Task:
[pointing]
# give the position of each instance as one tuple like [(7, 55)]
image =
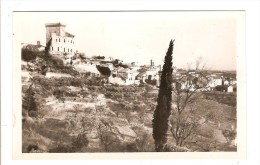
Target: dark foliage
[(56, 64), (222, 88), (107, 139), (104, 70), (117, 63), (33, 100), (62, 149), (121, 65), (28, 55), (55, 60), (99, 57), (229, 135), (132, 147), (58, 93), (29, 103), (48, 45), (80, 141), (163, 108), (44, 70), (150, 81), (32, 147)]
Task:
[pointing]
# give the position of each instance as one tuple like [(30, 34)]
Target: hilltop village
[(72, 102), (61, 45)]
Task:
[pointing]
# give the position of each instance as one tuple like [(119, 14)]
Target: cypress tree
[(163, 108)]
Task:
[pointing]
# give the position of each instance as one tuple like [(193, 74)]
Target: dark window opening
[(59, 39), (64, 49), (58, 49), (64, 40)]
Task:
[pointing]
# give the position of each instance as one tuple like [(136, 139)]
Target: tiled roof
[(69, 35), (141, 74), (54, 24)]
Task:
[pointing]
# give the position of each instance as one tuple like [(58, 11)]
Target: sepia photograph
[(128, 81)]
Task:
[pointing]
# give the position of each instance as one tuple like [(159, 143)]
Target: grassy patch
[(222, 97)]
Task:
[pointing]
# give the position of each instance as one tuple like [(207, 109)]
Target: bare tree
[(185, 92), (107, 137)]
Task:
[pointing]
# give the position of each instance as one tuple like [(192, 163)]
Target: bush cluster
[(29, 55)]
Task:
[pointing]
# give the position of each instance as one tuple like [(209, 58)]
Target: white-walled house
[(128, 75), (230, 89), (215, 82), (226, 82), (151, 74), (131, 74), (84, 68), (60, 41)]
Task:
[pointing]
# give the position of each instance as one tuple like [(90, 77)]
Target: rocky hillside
[(65, 111)]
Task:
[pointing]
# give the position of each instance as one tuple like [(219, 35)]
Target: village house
[(88, 68), (152, 73), (177, 73), (59, 41), (215, 80), (131, 77), (232, 88), (128, 75)]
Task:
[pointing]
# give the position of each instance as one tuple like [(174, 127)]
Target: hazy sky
[(142, 36)]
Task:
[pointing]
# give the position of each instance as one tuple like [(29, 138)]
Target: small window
[(58, 49), (64, 41), (59, 39), (70, 50), (52, 48), (71, 41), (56, 40), (64, 49)]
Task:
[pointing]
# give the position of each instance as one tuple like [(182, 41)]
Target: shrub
[(104, 70), (32, 147), (29, 103), (76, 83), (154, 82), (144, 141), (55, 60), (62, 148), (28, 55), (80, 141), (222, 88), (99, 57), (107, 139), (148, 88), (229, 135), (132, 147)]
